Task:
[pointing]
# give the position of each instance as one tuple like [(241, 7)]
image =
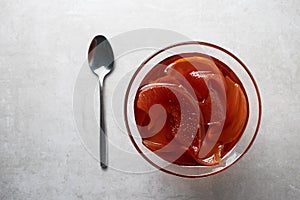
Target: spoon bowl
[(100, 56)]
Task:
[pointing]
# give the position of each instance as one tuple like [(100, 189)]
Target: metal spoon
[(101, 61)]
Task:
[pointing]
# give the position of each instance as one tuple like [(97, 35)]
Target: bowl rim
[(201, 44)]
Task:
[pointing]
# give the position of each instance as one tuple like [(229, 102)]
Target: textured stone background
[(43, 45)]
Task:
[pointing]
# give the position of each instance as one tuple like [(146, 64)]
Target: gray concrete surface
[(43, 45)]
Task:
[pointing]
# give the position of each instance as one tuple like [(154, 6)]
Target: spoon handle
[(103, 136)]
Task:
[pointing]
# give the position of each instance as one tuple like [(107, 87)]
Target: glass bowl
[(252, 95)]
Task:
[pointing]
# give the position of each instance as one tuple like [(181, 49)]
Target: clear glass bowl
[(252, 93)]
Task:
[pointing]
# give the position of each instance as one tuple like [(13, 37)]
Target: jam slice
[(236, 116), (201, 76), (168, 121)]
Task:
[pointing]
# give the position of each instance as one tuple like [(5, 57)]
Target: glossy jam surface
[(191, 109)]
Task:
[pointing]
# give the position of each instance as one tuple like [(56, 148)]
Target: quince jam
[(191, 109)]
